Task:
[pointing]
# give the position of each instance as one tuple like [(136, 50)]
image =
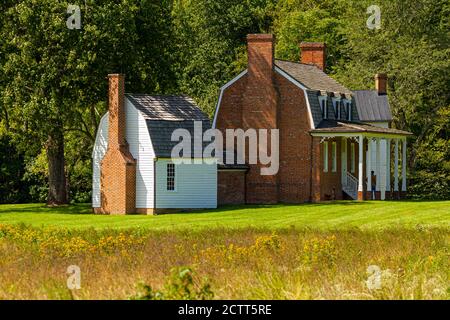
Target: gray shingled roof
[(161, 134), (326, 126), (371, 106), (311, 77), (169, 108), (165, 114)]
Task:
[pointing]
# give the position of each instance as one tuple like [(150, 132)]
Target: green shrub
[(179, 286)]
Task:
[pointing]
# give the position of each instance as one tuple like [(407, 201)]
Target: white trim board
[(222, 89)]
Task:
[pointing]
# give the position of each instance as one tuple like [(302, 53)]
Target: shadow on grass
[(251, 207), (42, 209), (85, 208)]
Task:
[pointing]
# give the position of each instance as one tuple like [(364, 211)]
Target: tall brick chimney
[(116, 109), (260, 48), (381, 83), (314, 53), (259, 111), (118, 167)]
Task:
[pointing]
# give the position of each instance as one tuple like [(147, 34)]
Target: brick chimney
[(116, 109), (118, 167), (260, 48), (381, 83), (313, 53), (259, 111)]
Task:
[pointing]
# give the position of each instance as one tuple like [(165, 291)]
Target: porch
[(348, 154)]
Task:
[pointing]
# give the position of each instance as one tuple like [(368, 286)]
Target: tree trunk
[(57, 185)]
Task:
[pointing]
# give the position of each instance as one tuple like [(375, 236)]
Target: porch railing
[(350, 186)]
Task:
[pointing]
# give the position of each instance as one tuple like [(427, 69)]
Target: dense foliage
[(53, 87)]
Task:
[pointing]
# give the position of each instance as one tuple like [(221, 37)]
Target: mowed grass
[(369, 215)]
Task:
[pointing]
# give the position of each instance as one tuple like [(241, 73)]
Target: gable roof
[(164, 114), (372, 106), (311, 77), (166, 107)]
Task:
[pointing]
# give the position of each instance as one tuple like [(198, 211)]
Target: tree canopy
[(53, 86)]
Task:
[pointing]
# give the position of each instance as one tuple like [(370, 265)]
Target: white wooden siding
[(141, 148), (100, 146), (195, 186)]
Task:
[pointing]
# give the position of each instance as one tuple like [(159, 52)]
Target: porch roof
[(351, 128)]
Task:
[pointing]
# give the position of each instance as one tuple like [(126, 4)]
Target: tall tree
[(54, 77)]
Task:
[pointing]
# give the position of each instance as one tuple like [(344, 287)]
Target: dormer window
[(348, 109), (323, 106), (337, 108)]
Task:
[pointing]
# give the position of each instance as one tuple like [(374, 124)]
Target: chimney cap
[(381, 76), (318, 45), (260, 37), (115, 75)]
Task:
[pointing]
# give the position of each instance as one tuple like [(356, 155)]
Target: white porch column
[(404, 165), (388, 164), (383, 171), (369, 166), (343, 159), (378, 164), (360, 166), (396, 166)]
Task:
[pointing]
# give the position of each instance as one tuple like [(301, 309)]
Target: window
[(171, 177), (348, 109), (352, 157), (349, 113), (337, 109), (323, 106), (333, 157), (325, 156)]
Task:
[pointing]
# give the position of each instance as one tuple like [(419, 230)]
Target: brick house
[(330, 138), (133, 171)]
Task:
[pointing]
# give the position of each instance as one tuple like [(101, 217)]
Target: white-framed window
[(348, 109), (352, 157), (336, 107), (325, 156), (333, 157), (323, 106), (170, 177)]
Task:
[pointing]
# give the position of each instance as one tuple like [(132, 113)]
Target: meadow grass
[(236, 264), (324, 216), (306, 251)]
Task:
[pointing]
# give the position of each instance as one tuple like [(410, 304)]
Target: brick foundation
[(231, 187)]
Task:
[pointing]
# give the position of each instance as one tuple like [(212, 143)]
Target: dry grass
[(239, 264)]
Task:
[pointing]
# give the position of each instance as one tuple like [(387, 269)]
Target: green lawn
[(334, 215)]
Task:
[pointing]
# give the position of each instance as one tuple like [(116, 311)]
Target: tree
[(53, 78), (412, 47), (210, 38)]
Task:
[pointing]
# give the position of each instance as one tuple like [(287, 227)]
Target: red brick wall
[(231, 187), (265, 99), (294, 175)]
